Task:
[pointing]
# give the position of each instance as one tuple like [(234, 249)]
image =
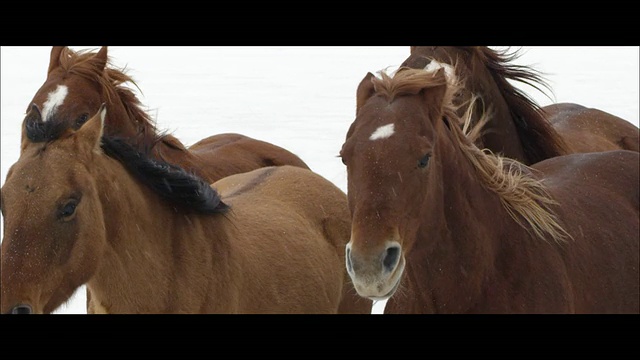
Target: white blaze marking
[(54, 99), (382, 132), (448, 69)]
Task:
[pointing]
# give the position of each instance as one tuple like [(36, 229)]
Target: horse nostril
[(391, 258), (348, 256), (22, 309)]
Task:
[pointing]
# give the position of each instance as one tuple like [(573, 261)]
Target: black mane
[(169, 181)]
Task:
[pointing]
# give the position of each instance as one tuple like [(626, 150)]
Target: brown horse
[(78, 82), (146, 236), (519, 128), (440, 226)]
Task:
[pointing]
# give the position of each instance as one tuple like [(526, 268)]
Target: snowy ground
[(300, 98)]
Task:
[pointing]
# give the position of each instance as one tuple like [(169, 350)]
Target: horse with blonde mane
[(442, 226)]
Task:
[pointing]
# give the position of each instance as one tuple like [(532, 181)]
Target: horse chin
[(394, 279)]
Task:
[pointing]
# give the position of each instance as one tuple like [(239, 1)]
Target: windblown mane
[(538, 137), (112, 82), (523, 196), (171, 182)]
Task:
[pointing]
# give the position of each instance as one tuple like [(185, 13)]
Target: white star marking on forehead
[(382, 132), (54, 99)]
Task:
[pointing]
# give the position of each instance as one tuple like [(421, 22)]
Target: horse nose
[(391, 258), (22, 309)]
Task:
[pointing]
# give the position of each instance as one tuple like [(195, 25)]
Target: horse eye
[(82, 119), (68, 209), (422, 163)]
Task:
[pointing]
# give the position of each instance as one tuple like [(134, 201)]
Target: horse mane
[(112, 81), (539, 139), (171, 182), (525, 198)]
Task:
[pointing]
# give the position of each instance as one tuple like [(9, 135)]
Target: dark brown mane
[(112, 81), (539, 139)]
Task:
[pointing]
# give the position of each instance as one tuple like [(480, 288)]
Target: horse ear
[(54, 59), (101, 57), (93, 129), (412, 49), (364, 92)]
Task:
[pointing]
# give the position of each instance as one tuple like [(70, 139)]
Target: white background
[(300, 98)]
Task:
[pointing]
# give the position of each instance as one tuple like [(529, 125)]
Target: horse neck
[(138, 271), (121, 121), (500, 134), (460, 257), (171, 150)]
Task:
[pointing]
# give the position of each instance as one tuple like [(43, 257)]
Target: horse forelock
[(44, 131)]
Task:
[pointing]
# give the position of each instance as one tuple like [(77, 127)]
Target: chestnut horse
[(146, 236), (78, 82), (441, 226), (518, 127)]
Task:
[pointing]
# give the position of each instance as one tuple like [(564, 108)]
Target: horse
[(145, 236), (78, 82), (519, 128), (442, 226)]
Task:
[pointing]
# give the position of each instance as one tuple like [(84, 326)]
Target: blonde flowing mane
[(525, 197)]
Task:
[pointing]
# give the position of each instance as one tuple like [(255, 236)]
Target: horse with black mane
[(145, 236)]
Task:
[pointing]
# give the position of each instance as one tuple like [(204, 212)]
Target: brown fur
[(519, 128), (460, 248), (279, 249)]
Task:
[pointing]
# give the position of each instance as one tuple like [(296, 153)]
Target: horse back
[(291, 226), (297, 189), (587, 129), (598, 204)]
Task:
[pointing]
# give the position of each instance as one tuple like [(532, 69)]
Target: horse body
[(439, 226), (519, 128), (148, 237)]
